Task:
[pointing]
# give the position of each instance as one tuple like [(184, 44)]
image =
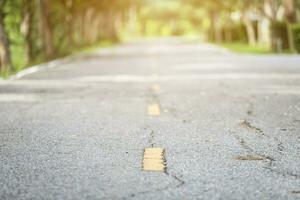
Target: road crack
[(248, 125), (253, 155), (151, 139), (282, 173), (178, 179)]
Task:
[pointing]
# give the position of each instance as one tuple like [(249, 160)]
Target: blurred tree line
[(33, 31), (261, 22), (269, 23)]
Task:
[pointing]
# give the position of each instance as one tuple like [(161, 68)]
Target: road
[(219, 125)]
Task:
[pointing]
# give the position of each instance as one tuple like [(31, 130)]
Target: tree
[(290, 7), (290, 11), (46, 28), (5, 60), (214, 10), (27, 29)]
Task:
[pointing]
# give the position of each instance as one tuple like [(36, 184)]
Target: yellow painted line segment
[(153, 159), (153, 110), (155, 88)]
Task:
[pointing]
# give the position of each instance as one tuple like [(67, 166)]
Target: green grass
[(245, 48), (17, 56), (91, 48), (17, 59)]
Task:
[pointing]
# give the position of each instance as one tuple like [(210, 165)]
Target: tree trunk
[(228, 35), (46, 28), (88, 25), (215, 34), (26, 29), (111, 30), (81, 26), (227, 29), (5, 61), (69, 22), (270, 9), (250, 31), (290, 7)]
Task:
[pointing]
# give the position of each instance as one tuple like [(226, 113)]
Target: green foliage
[(245, 48), (12, 21), (65, 25), (234, 33), (279, 35), (296, 36)]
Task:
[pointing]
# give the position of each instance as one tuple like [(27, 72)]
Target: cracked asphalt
[(229, 124)]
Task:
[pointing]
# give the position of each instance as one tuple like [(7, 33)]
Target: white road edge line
[(36, 68), (46, 65)]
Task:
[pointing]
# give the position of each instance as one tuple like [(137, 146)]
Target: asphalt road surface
[(223, 125)]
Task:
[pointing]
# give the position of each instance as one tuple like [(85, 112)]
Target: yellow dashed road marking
[(153, 110), (153, 159), (155, 88)]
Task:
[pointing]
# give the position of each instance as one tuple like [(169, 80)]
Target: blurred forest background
[(35, 31)]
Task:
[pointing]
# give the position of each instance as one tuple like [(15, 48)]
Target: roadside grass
[(91, 48), (245, 48), (18, 60)]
